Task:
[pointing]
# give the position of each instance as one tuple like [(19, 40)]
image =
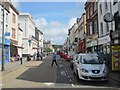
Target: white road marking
[(61, 65), (70, 80), (68, 76), (48, 84), (63, 73), (73, 85)]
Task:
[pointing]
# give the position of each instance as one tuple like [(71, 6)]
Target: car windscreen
[(90, 59)]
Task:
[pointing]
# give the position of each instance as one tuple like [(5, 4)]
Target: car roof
[(87, 54)]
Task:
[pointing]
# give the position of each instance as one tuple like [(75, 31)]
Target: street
[(40, 74)]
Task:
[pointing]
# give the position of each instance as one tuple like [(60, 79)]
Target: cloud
[(71, 22), (54, 30)]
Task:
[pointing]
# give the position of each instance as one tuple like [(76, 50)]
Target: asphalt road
[(40, 74)]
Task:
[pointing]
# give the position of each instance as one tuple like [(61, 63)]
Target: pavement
[(11, 66), (114, 77)]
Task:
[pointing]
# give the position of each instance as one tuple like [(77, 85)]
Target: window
[(107, 27), (6, 17), (95, 7), (100, 8), (1, 13), (6, 27), (106, 5), (13, 33), (1, 27), (117, 21), (88, 30), (115, 1), (13, 18), (88, 15), (91, 11), (95, 26), (101, 28), (91, 28)]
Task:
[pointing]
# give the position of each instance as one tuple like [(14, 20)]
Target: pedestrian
[(34, 56), (54, 59), (38, 55), (41, 56)]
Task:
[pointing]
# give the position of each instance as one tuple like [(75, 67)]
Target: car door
[(76, 64)]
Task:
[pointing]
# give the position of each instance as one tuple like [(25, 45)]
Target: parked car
[(90, 67), (73, 60), (61, 54), (67, 57)]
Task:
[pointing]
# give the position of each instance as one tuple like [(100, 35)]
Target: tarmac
[(11, 66)]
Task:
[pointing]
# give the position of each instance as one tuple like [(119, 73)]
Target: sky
[(53, 18)]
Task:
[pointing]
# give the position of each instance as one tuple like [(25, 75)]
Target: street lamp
[(2, 68)]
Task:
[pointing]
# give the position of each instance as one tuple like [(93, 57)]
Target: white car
[(90, 67)]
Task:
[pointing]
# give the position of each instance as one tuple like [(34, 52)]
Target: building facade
[(81, 30), (29, 42), (91, 9), (4, 14)]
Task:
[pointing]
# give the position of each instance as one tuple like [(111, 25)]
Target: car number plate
[(95, 76)]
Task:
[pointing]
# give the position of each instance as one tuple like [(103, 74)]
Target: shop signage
[(103, 40), (7, 34), (116, 58)]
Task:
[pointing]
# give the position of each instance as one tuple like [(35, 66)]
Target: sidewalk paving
[(114, 77), (11, 66)]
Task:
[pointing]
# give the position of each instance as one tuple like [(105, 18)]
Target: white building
[(104, 28), (28, 26), (20, 44), (6, 32), (40, 41)]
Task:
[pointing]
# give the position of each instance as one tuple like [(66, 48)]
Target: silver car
[(90, 67)]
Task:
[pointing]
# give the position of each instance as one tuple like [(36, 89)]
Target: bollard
[(21, 60)]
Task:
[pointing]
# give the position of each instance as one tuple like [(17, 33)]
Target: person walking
[(54, 59)]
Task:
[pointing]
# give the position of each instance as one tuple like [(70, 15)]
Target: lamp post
[(2, 68)]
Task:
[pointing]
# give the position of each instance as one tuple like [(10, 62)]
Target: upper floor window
[(2, 13), (101, 28), (106, 5), (6, 17), (88, 15), (115, 1), (13, 18), (91, 11), (107, 27), (13, 33), (91, 30), (95, 26), (100, 8), (95, 6)]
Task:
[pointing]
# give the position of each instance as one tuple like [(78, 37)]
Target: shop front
[(6, 50), (81, 46), (13, 49)]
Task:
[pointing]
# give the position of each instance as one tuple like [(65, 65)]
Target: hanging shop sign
[(116, 58)]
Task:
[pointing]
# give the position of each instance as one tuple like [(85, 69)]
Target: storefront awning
[(35, 48), (17, 46)]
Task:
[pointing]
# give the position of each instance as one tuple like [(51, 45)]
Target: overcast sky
[(53, 18)]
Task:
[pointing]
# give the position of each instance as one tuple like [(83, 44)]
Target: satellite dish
[(108, 17)]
